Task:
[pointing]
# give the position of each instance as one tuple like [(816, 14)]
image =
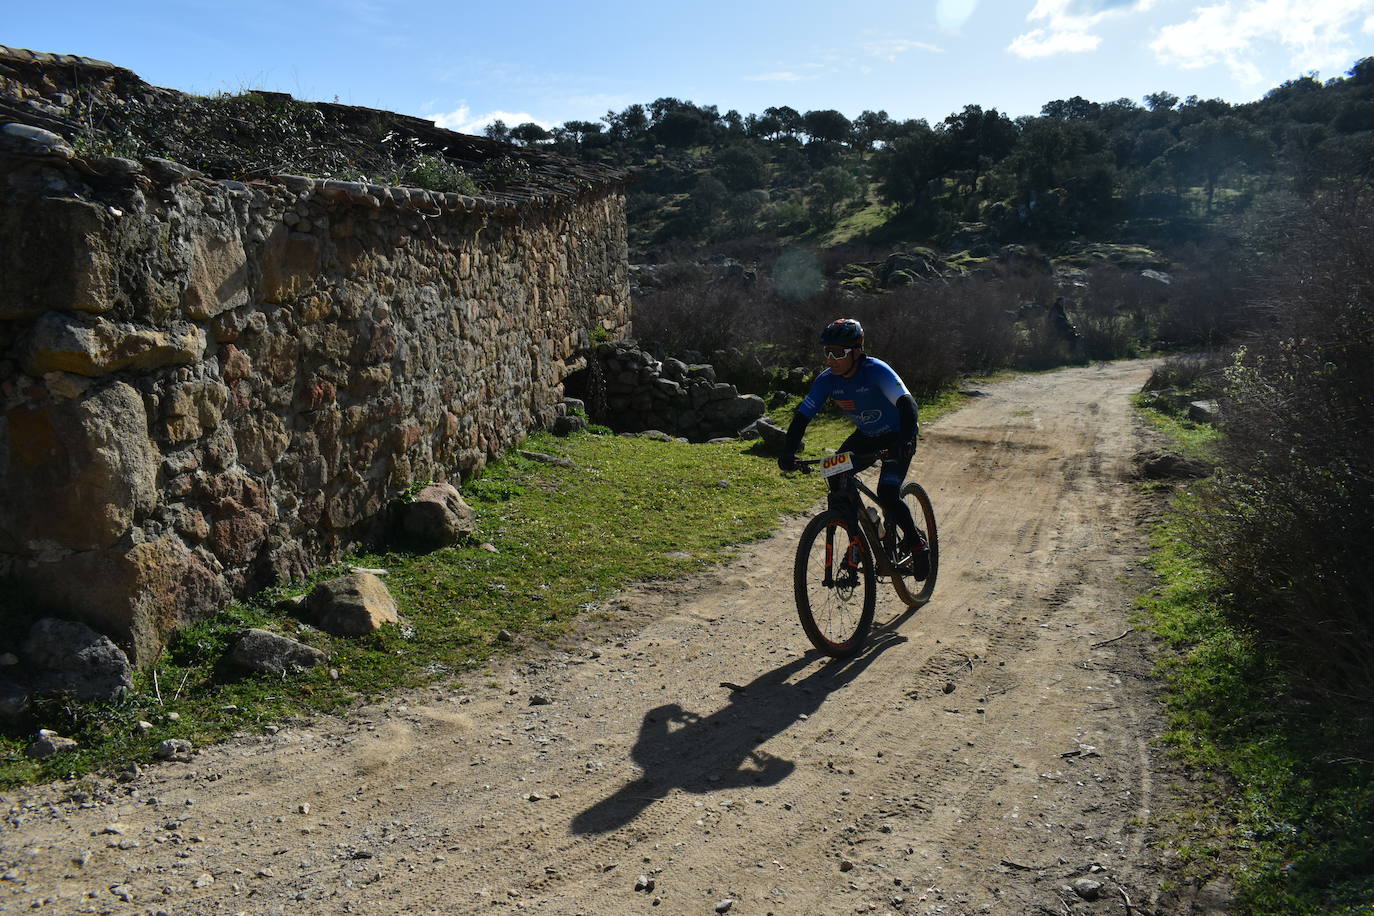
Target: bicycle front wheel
[(835, 586), (923, 513)]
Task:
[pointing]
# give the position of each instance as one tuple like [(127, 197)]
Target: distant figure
[(1059, 317)]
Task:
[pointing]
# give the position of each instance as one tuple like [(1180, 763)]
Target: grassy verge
[(1289, 814), (566, 539)]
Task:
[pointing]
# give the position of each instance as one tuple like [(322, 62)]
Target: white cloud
[(1069, 25), (1043, 43), (781, 76), (1315, 33), (889, 48), (464, 121)]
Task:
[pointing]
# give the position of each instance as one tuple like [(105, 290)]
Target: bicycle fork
[(851, 559)]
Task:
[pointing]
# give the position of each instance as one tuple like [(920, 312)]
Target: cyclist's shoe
[(917, 564)]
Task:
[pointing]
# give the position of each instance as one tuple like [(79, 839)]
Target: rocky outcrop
[(207, 386)]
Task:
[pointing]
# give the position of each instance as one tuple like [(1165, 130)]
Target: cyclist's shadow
[(680, 749)]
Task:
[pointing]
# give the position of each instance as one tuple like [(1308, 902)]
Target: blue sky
[(550, 61)]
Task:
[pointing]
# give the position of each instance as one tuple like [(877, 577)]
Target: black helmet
[(843, 332)]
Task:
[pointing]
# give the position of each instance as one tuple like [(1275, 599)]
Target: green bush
[(1289, 522)]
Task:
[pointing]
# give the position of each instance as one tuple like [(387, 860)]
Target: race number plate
[(837, 464)]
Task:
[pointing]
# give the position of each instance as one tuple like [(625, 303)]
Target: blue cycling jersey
[(868, 397)]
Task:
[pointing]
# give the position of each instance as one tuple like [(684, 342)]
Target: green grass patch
[(858, 224), (1289, 806), (631, 509), (1195, 440)]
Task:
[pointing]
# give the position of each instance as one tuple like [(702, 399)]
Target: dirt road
[(989, 751)]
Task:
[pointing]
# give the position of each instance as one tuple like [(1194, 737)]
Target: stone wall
[(633, 392), (210, 386)]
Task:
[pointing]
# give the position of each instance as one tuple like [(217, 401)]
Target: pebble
[(204, 880), (644, 883), (174, 749), (724, 906), (1087, 888)]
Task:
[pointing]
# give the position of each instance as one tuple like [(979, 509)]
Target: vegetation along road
[(990, 753)]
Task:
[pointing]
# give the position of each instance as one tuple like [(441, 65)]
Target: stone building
[(207, 386)]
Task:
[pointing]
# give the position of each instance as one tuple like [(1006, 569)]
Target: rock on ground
[(70, 657), (270, 653), (351, 605)]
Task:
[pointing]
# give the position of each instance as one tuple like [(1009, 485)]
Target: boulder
[(1202, 411), (1155, 465), (70, 657), (14, 701), (774, 436), (26, 140), (567, 425), (48, 743), (352, 605), (269, 653), (438, 517)]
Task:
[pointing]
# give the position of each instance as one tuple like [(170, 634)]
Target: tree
[(1161, 101), (908, 167), (1074, 109), (871, 127), (763, 126), (789, 120), (497, 130), (579, 131), (834, 185), (1218, 145), (740, 168), (530, 133), (979, 137), (630, 124), (827, 125)]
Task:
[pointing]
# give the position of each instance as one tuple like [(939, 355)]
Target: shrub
[(1201, 373), (1289, 522)]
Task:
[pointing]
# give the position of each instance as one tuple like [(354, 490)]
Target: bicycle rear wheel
[(923, 513), (835, 586)]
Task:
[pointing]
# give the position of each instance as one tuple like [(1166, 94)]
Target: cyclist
[(874, 397)]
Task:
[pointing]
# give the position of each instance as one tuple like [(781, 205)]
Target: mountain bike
[(846, 548)]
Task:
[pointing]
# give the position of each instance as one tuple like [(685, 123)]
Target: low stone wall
[(209, 386), (633, 392)]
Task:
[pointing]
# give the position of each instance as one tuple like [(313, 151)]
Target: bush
[(1199, 373), (1289, 522)]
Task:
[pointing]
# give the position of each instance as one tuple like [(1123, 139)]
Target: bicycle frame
[(853, 487), (866, 528)]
